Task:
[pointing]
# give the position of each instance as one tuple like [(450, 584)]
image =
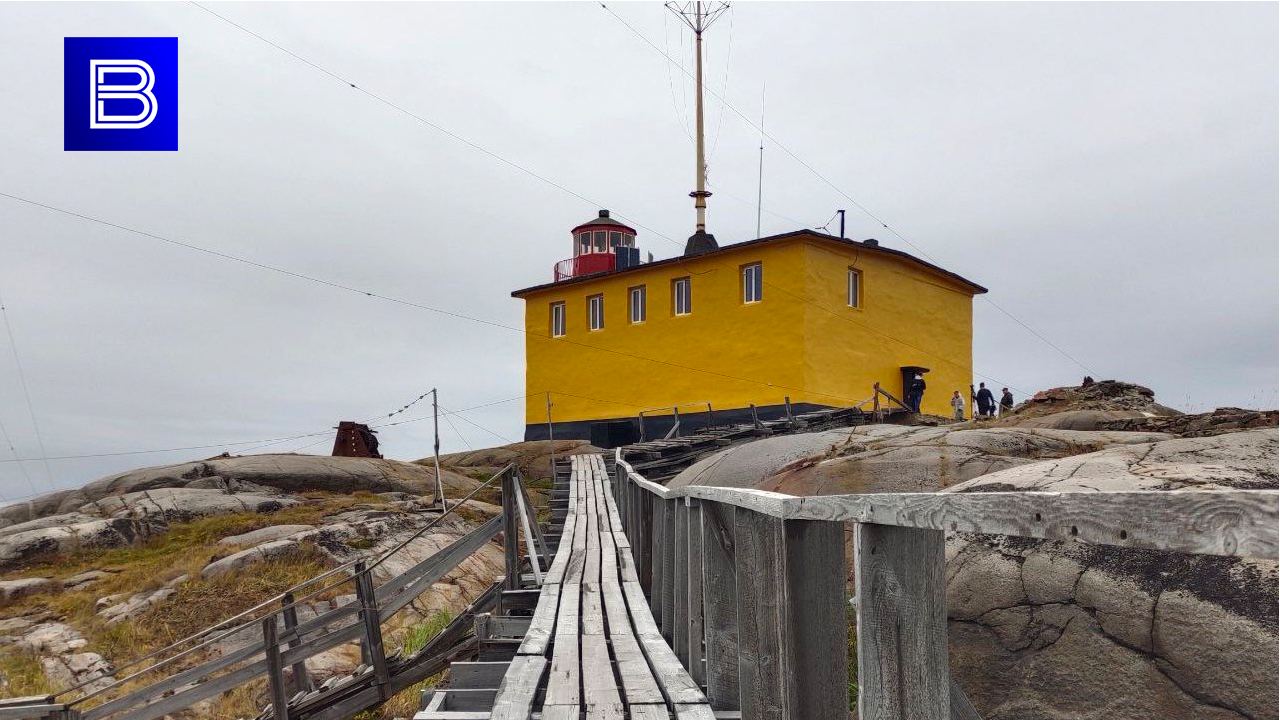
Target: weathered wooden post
[(510, 534), (679, 638), (791, 618), (301, 678), (644, 565), (695, 634), (720, 610), (668, 569), (372, 637), (275, 669), (902, 623), (657, 544)]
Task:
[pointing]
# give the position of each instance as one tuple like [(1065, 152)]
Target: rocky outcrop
[(1090, 406), (253, 474), (173, 504), (244, 558), (266, 534), (123, 508), (1241, 460), (890, 458), (1048, 630), (114, 612), (11, 590), (79, 532), (1058, 631), (58, 647), (1222, 420), (532, 457)]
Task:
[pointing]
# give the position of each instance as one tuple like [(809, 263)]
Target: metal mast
[(699, 16)]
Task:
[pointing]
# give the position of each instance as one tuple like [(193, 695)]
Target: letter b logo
[(120, 94)]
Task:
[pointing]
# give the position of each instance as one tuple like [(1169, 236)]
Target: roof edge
[(971, 285)]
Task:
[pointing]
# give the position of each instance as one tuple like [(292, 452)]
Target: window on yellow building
[(595, 312), (681, 296), (855, 288), (638, 302), (752, 283), (557, 319)]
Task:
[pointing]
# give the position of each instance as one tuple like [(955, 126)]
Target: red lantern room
[(601, 244)]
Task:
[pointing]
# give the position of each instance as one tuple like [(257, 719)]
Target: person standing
[(1006, 401), (915, 394), (957, 403), (986, 401)]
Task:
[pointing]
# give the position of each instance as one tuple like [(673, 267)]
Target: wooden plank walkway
[(593, 648)]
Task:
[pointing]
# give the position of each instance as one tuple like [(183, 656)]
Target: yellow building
[(803, 315)]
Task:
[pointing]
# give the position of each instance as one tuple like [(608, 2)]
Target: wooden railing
[(757, 580), (287, 643)]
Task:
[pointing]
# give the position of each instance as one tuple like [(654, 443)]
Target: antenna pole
[(700, 193), (699, 17), (435, 417), (841, 223), (760, 178)]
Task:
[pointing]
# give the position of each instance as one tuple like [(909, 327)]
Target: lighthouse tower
[(601, 244)]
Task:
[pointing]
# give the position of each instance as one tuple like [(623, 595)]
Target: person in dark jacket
[(986, 401), (1006, 401), (915, 393)]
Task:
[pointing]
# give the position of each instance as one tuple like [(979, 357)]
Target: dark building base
[(614, 432)]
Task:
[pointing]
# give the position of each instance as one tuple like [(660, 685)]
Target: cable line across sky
[(45, 458)]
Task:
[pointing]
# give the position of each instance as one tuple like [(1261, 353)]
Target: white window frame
[(637, 303), (595, 312), (853, 288), (685, 308), (752, 283), (557, 319)]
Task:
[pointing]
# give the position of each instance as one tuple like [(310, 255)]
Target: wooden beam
[(658, 541), (510, 534), (668, 549), (1240, 523), (680, 583), (791, 619), (695, 622), (902, 623), (720, 610), (275, 670)]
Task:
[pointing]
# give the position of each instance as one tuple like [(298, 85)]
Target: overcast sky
[(1108, 170)]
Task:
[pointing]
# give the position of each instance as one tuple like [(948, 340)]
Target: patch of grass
[(21, 674), (244, 701), (360, 543), (406, 702), (419, 635), (201, 602)]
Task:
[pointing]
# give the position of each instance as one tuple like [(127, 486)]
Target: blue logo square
[(120, 93)]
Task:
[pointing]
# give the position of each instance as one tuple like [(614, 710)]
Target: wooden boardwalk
[(592, 647)]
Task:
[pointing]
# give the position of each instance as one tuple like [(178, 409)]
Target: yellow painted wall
[(908, 316), (759, 342), (801, 341)]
